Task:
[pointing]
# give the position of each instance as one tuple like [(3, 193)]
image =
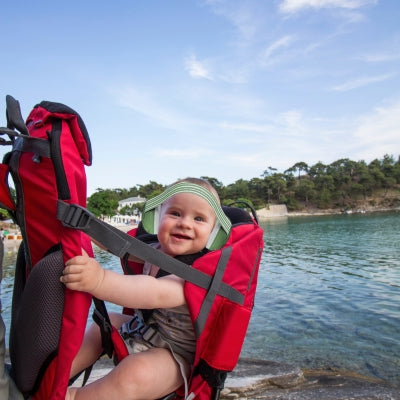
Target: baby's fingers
[(72, 281), (71, 273), (78, 260), (72, 269)]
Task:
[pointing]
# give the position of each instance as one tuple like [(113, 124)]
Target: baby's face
[(185, 224)]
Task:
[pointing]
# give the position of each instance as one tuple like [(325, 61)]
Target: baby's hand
[(82, 273)]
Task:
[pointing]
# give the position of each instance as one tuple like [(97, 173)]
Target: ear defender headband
[(152, 212)]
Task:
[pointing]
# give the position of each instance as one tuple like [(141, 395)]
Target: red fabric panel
[(119, 345), (5, 195), (222, 338)]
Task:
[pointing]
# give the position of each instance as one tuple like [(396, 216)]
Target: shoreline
[(266, 214), (263, 379)]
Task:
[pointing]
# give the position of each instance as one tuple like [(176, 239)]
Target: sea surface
[(328, 293)]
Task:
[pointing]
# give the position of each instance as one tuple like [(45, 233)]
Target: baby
[(186, 222)]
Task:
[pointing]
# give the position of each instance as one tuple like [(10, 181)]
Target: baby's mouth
[(180, 236)]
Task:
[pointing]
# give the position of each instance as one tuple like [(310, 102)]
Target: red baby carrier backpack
[(46, 164)]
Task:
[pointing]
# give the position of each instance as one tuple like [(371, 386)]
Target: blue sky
[(220, 88)]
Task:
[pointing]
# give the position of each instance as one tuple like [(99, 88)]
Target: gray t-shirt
[(174, 324)]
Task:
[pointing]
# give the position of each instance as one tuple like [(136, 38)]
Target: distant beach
[(280, 210)]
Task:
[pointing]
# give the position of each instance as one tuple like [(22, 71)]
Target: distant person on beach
[(4, 234), (152, 370)]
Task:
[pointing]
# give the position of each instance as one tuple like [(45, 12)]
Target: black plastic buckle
[(74, 216), (129, 331)]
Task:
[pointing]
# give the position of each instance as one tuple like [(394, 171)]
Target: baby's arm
[(85, 274)]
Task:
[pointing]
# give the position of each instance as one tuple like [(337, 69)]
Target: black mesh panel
[(36, 321)]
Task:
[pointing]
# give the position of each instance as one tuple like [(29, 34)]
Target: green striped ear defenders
[(152, 212)]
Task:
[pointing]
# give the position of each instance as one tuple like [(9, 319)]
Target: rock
[(258, 379), (254, 373)]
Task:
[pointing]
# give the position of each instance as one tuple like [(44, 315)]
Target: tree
[(103, 203), (268, 172), (306, 190), (299, 166), (278, 185), (216, 184), (367, 182), (389, 170), (150, 190), (324, 199), (238, 189), (258, 191)]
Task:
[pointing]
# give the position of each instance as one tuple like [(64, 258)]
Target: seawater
[(328, 293)]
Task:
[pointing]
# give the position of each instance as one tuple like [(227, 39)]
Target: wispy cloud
[(266, 57), (146, 104), (257, 160), (196, 69), (292, 121), (378, 131), (361, 82), (289, 124), (241, 15), (294, 6), (247, 127), (381, 125), (381, 57), (182, 153)]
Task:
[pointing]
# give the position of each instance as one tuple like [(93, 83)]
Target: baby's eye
[(175, 213), (199, 219)]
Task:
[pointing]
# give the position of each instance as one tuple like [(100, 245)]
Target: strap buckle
[(133, 327), (73, 215)]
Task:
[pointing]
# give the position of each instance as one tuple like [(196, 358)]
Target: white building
[(134, 218), (130, 202)]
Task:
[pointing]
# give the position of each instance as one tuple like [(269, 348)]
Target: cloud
[(246, 127), (294, 6), (249, 160), (380, 128), (381, 57), (289, 123), (196, 69), (183, 153), (266, 55), (360, 82), (240, 14), (145, 103), (292, 122)]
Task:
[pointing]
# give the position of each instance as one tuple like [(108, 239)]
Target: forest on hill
[(343, 184)]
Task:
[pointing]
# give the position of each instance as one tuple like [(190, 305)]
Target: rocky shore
[(280, 210), (260, 379)]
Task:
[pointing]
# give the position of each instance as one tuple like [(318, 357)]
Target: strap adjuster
[(133, 327), (73, 215), (148, 333)]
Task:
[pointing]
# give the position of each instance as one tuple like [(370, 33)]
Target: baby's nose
[(186, 222)]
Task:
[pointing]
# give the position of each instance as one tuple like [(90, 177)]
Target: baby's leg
[(91, 348), (148, 375)]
